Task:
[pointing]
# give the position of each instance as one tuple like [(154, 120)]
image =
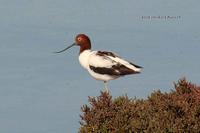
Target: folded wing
[(108, 63)]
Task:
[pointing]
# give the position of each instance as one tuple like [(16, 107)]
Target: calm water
[(42, 92)]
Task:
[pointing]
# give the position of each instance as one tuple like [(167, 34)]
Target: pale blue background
[(42, 92)]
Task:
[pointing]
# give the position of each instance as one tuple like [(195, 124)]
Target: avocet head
[(81, 40)]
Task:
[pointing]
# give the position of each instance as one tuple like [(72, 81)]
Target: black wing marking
[(135, 65), (105, 53), (115, 70)]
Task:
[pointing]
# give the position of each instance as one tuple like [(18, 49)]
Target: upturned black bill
[(66, 48)]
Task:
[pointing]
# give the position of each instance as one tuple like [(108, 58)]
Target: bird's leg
[(106, 87)]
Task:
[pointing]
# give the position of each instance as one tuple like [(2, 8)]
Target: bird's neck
[(86, 46)]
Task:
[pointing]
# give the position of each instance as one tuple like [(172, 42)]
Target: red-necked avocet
[(102, 65)]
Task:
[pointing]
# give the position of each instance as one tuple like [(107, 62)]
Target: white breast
[(88, 57), (83, 58)]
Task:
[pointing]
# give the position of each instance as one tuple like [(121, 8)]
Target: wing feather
[(108, 63)]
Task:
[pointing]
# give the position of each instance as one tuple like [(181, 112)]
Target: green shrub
[(174, 112)]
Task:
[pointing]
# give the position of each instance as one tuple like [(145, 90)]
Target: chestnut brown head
[(81, 40)]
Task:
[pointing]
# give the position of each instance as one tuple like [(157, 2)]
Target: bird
[(102, 65)]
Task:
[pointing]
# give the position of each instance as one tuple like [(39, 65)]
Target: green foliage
[(174, 112)]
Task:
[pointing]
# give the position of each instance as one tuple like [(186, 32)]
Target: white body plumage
[(98, 61)]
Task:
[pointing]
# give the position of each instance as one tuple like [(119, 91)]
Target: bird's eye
[(79, 39)]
